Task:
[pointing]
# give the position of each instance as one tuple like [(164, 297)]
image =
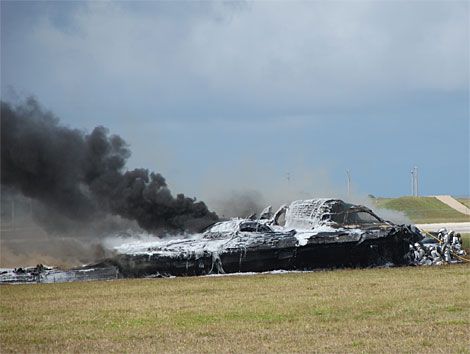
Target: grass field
[(409, 309), (422, 210), (466, 242)]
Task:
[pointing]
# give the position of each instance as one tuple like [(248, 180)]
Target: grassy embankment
[(464, 201), (410, 309), (422, 210)]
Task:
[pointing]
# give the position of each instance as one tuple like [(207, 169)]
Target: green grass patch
[(408, 309), (422, 210), (465, 241), (464, 201)]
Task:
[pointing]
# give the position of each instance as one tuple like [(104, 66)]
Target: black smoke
[(82, 176)]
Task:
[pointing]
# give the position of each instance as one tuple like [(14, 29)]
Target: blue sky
[(222, 97)]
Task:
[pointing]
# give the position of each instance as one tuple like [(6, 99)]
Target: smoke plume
[(82, 177)]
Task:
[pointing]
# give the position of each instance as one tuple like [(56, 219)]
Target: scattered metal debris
[(45, 274)]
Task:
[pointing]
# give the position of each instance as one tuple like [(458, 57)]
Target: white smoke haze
[(248, 187), (394, 216)]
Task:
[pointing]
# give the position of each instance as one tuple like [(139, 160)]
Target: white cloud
[(291, 57)]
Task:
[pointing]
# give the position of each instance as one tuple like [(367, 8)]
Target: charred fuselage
[(317, 233)]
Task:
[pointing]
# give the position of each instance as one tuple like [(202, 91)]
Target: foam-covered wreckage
[(307, 234), (47, 274)]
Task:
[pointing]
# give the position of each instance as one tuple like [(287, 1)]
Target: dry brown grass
[(423, 309)]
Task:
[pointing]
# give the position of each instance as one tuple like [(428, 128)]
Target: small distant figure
[(451, 235), (435, 255), (441, 234), (446, 238), (457, 245), (447, 256), (421, 253)]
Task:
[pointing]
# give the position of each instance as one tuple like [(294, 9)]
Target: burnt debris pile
[(81, 176)]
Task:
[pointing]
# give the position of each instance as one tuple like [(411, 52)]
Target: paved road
[(454, 204), (462, 227)]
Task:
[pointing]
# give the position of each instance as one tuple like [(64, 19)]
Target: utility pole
[(348, 179), (416, 181), (412, 183)]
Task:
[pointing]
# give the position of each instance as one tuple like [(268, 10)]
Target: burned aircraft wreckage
[(307, 234)]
